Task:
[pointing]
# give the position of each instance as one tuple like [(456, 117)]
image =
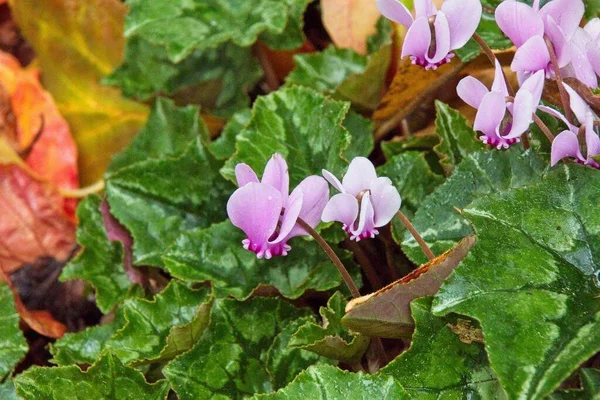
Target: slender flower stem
[(83, 192), (332, 256), (543, 128), (564, 97), (416, 235), (490, 54)]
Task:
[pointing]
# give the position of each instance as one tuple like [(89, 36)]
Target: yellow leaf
[(350, 22), (77, 43)]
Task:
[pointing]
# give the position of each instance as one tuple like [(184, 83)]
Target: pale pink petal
[(533, 56), (592, 140), (522, 113), (490, 114), (385, 199), (417, 40), (518, 21), (463, 18), (244, 174), (316, 195), (471, 91), (535, 85), (255, 209), (565, 144), (593, 28), (290, 215), (559, 42), (566, 13), (366, 225), (395, 11), (343, 208), (579, 107), (360, 173), (582, 67), (499, 84), (593, 53), (276, 174), (557, 114), (442, 39), (424, 8), (335, 182)]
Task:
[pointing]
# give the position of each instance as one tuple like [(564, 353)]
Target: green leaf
[(592, 9), (224, 146), (457, 138), (326, 382), (439, 365), (590, 387), (163, 327), (107, 379), (346, 74), (13, 345), (7, 391), (216, 254), (332, 339), (85, 347), (419, 142), (244, 351), (440, 225), (158, 199), (360, 129), (533, 265), (293, 34), (101, 260), (300, 124), (168, 132)]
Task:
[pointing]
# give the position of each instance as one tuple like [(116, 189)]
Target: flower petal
[(593, 53), (582, 67), (490, 114), (579, 107), (442, 39), (335, 182), (593, 28), (557, 114), (499, 84), (559, 41), (343, 208), (535, 85), (244, 174), (424, 8), (360, 173), (463, 18), (395, 11), (385, 199), (417, 40), (566, 13), (255, 209), (592, 141), (316, 195), (533, 56), (471, 91), (522, 114), (565, 144), (290, 215), (276, 174), (365, 219), (518, 21)]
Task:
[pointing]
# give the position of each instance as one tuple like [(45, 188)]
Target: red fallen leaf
[(386, 313), (282, 61), (34, 222), (40, 321)]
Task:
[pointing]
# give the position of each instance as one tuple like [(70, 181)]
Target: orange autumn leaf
[(40, 321), (350, 22)]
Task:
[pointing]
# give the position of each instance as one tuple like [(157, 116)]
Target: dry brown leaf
[(350, 22)]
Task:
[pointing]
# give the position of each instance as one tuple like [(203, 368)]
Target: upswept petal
[(365, 219), (532, 56), (255, 209), (579, 107), (565, 144), (360, 173), (557, 114), (276, 174), (522, 112), (499, 84), (463, 18), (592, 140), (490, 113), (559, 41), (335, 182), (244, 174), (581, 65), (566, 13), (417, 40), (316, 194), (593, 28), (290, 215), (424, 8), (385, 199), (535, 85), (518, 21), (395, 11), (442, 39), (342, 207), (471, 91), (593, 54)]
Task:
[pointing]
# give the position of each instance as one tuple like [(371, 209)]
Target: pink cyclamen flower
[(584, 50), (433, 33), (502, 122), (365, 203), (267, 213), (526, 27)]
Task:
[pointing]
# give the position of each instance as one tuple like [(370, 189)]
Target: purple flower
[(365, 203), (433, 33), (502, 122), (265, 211), (526, 27), (584, 50)]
